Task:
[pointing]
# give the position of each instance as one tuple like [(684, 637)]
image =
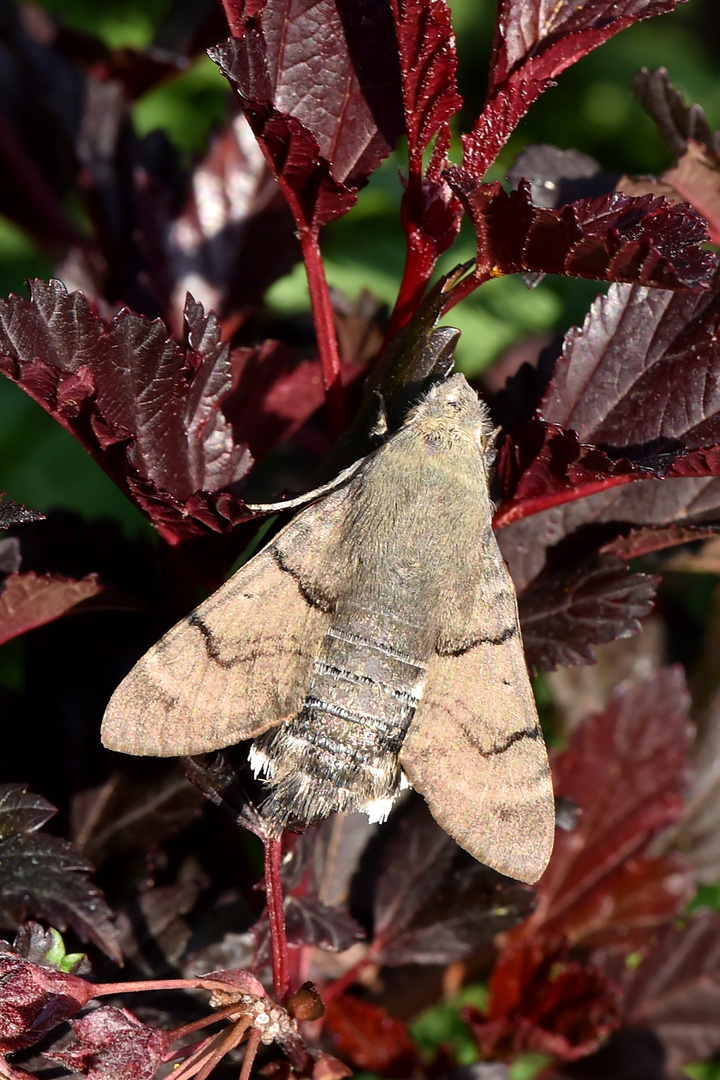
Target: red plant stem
[(337, 988), (324, 330), (105, 989), (418, 270), (235, 23), (276, 918), (466, 286), (205, 1021), (251, 1050)]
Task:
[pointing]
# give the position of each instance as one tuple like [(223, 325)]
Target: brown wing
[(475, 750), (241, 662)]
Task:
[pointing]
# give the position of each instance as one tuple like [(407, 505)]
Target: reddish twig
[(276, 918), (324, 330)]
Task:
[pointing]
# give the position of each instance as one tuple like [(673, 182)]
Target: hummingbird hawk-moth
[(374, 643)]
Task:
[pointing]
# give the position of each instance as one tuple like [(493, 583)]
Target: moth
[(374, 643)]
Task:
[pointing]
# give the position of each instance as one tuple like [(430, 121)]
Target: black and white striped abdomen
[(341, 750)]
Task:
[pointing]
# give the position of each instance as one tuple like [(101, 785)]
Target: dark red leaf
[(34, 999), (111, 1042), (31, 600), (542, 465), (130, 814), (557, 177), (696, 179), (644, 541), (627, 770), (12, 513), (613, 238), (46, 875), (149, 411), (637, 344), (675, 990), (544, 1004), (677, 122), (565, 612), (370, 1038), (430, 211), (310, 922), (230, 240), (322, 138), (433, 903), (532, 46)]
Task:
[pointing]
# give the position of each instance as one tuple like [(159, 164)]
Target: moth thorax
[(341, 750)]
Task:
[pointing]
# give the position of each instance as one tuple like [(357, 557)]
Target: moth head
[(453, 404)]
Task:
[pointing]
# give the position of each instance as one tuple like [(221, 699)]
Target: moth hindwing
[(373, 643)]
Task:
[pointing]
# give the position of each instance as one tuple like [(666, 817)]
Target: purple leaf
[(430, 211), (627, 770), (320, 86), (558, 177), (647, 503), (111, 1042), (675, 990), (564, 613), (646, 345), (533, 44), (543, 465), (677, 122), (45, 874), (31, 600), (149, 411), (34, 999), (613, 238), (433, 904), (231, 239)]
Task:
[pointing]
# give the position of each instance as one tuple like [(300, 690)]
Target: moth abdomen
[(340, 752)]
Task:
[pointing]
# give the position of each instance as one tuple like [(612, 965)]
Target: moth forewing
[(377, 632), (241, 662)]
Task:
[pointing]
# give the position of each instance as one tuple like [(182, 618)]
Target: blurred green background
[(591, 109)]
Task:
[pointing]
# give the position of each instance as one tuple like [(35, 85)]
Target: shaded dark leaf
[(558, 177), (629, 1054), (627, 770), (152, 930), (564, 613), (34, 999), (544, 1004), (147, 410), (45, 875), (435, 904), (613, 238), (12, 513), (370, 1038), (31, 600), (677, 122), (322, 145), (111, 1042), (214, 776), (675, 990), (310, 922), (128, 813)]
